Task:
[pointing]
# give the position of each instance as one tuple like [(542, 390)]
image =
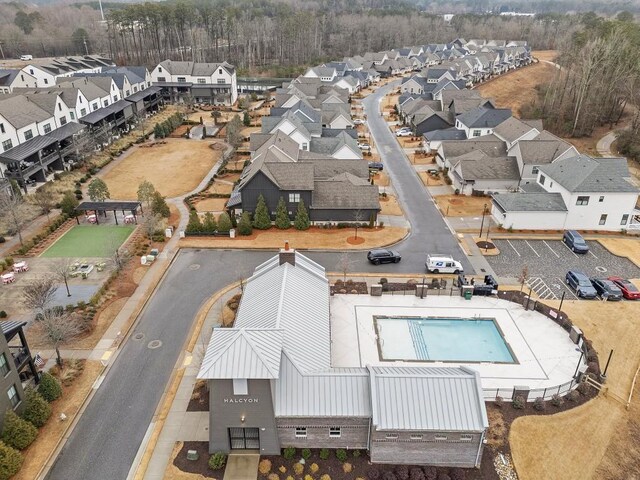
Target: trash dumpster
[(467, 291)]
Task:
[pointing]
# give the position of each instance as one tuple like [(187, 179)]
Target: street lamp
[(484, 211)]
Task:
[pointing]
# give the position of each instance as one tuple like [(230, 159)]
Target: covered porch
[(93, 211)]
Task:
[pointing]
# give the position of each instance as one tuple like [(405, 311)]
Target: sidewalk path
[(603, 146)]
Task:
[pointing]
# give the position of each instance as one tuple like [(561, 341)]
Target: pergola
[(109, 206)]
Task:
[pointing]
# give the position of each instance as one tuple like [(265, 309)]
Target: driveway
[(105, 441), (549, 260), (429, 232)]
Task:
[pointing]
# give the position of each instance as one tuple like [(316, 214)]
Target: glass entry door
[(244, 438)]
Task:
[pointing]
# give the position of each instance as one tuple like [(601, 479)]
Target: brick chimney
[(287, 254)]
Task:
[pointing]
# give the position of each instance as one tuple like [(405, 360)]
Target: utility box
[(192, 455), (376, 290), (467, 291), (421, 290), (232, 233), (575, 334)]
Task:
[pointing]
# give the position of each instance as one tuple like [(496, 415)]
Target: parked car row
[(611, 288)]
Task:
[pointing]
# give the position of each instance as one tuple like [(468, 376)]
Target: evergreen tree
[(261, 218), (98, 190), (16, 432), (301, 221), (246, 119), (194, 225), (158, 131), (209, 225), (37, 410), (244, 225), (49, 387), (282, 215), (224, 223), (10, 461), (69, 203), (159, 205)]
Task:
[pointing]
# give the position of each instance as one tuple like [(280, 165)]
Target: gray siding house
[(272, 383)]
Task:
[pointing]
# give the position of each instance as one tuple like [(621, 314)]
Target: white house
[(580, 193), (11, 79), (482, 120), (325, 74), (204, 82)]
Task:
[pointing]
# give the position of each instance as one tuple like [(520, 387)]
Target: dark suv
[(575, 242), (383, 255), (579, 282)]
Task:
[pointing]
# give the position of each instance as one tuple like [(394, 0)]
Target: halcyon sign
[(240, 400)]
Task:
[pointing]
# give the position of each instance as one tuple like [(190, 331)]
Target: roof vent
[(287, 255)]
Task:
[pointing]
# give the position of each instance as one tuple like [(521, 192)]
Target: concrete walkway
[(603, 147), (242, 466)]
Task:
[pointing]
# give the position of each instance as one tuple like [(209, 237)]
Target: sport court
[(92, 241)]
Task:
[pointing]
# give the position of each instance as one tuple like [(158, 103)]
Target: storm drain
[(138, 336), (154, 344), (601, 269), (194, 266)]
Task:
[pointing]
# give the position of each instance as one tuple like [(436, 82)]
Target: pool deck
[(545, 356)]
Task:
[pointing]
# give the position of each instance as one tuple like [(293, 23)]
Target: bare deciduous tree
[(524, 276), (62, 270), (151, 223), (39, 294), (56, 327), (344, 264), (13, 209), (45, 199)]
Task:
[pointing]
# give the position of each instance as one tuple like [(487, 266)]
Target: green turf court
[(89, 241)]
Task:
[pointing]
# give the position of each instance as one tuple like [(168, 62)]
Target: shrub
[(518, 403), (538, 404), (443, 476), (306, 453), (224, 223), (572, 396), (244, 225), (347, 467), (341, 454), (8, 261), (457, 473), (308, 477), (282, 469), (389, 476), (499, 401), (10, 461), (194, 225), (402, 472), (584, 388), (416, 474), (324, 453), (264, 466), (209, 225), (217, 461), (3, 314), (49, 387), (314, 467), (356, 453), (2, 239), (298, 468), (289, 453), (325, 477), (430, 472), (557, 400), (16, 432), (36, 410), (301, 222), (289, 477), (273, 476), (373, 473)]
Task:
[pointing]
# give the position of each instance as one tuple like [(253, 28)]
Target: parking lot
[(549, 260)]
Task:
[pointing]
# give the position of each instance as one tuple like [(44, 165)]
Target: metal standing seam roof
[(334, 393), (441, 399), (243, 353)]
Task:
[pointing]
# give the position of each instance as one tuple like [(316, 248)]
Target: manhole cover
[(194, 266), (601, 269), (154, 344), (138, 336)]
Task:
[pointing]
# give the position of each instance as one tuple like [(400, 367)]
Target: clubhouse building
[(273, 384)]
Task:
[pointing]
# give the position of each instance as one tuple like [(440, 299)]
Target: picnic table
[(129, 219), (8, 278), (92, 218), (19, 267)]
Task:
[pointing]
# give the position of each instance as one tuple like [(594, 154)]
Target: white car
[(404, 132), (26, 57), (364, 146), (359, 121)]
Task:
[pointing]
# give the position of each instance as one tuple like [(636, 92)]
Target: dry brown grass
[(102, 323), (497, 433), (517, 88), (549, 55), (174, 168), (390, 206), (623, 247), (429, 180), (422, 159), (333, 239), (461, 205), (220, 188), (51, 434), (381, 179), (211, 205)]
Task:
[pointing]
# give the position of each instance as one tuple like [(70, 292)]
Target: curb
[(138, 472)]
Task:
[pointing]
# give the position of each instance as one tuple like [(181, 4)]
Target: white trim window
[(14, 398), (4, 365), (466, 437), (294, 198), (391, 436), (440, 437), (415, 436), (301, 432), (335, 432)]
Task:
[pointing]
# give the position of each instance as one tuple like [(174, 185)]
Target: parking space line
[(567, 247), (567, 287), (514, 248), (549, 247), (534, 250), (593, 254)]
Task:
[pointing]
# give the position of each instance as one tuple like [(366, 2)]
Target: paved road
[(429, 232), (106, 439)]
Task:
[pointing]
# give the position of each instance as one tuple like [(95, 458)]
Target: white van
[(26, 57), (443, 264)]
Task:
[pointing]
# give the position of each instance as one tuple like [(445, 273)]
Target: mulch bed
[(201, 465), (485, 245), (349, 287), (199, 398)]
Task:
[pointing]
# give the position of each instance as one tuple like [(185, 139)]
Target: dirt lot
[(517, 88), (51, 434), (601, 435), (390, 206), (461, 205), (174, 168), (333, 239)]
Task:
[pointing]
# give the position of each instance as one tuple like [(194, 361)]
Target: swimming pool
[(437, 339)]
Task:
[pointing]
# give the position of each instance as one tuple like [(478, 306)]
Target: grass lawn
[(89, 241), (462, 205)]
